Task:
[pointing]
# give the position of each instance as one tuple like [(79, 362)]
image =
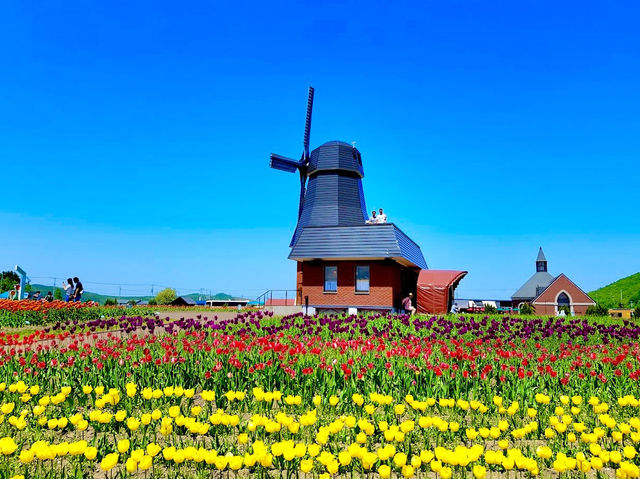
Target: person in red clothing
[(407, 306)]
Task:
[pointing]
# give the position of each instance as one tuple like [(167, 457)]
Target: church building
[(549, 295)]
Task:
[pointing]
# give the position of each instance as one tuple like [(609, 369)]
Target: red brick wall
[(384, 284), (299, 296), (580, 301)]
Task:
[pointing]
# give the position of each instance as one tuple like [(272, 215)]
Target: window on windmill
[(330, 279), (362, 279)]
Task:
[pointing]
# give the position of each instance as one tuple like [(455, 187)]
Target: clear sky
[(135, 136)]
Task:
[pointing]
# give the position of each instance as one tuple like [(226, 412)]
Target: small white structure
[(23, 281)]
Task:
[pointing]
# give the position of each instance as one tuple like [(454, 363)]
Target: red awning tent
[(435, 290)]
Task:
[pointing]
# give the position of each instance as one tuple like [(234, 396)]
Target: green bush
[(490, 309), (597, 310), (526, 308), (166, 296), (8, 279), (636, 313)]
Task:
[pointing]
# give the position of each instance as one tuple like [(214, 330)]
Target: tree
[(57, 294), (597, 310), (111, 302), (166, 296), (526, 308), (8, 279)]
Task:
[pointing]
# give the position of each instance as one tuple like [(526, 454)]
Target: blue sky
[(135, 136)]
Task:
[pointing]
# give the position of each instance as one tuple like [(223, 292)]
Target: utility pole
[(119, 291)]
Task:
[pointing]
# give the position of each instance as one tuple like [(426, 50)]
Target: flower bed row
[(322, 396)]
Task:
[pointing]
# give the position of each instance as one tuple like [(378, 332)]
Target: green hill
[(101, 298), (609, 295)]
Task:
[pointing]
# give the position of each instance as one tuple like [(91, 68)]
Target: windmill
[(283, 163), (330, 182)]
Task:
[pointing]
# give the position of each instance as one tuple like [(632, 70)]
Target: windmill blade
[(303, 182), (283, 163), (307, 124)]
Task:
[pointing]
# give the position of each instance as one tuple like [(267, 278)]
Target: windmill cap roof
[(541, 256), (336, 155)]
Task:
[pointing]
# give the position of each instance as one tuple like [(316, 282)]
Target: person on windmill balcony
[(373, 220), (382, 218)]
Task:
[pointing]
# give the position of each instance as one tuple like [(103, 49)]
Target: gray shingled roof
[(357, 242), (529, 290)]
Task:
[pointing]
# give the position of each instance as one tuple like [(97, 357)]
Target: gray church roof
[(375, 241), (534, 286)]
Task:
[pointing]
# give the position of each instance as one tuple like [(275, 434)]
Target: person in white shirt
[(382, 218), (373, 218)]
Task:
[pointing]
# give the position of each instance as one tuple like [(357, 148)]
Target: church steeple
[(541, 262)]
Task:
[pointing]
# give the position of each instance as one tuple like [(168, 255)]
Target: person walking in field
[(407, 306), (77, 292), (68, 290)]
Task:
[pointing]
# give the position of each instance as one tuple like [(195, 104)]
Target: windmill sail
[(283, 163), (307, 125)]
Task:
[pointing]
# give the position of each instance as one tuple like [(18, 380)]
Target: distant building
[(549, 294), (183, 301), (534, 285), (227, 302), (623, 313)]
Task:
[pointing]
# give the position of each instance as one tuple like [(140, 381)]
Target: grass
[(622, 291)]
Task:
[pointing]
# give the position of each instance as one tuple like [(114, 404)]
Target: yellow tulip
[(479, 472), (109, 461), (123, 445), (131, 465)]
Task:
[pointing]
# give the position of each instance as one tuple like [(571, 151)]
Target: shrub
[(636, 312), (597, 310), (526, 308), (166, 296), (57, 294), (490, 309), (152, 302), (8, 279)]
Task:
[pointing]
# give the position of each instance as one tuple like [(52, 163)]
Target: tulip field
[(373, 396)]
